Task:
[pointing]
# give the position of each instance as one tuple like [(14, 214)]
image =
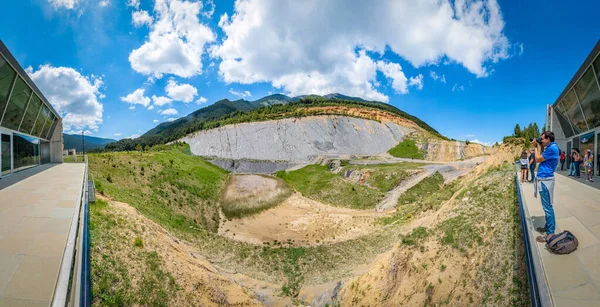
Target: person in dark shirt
[(532, 165)]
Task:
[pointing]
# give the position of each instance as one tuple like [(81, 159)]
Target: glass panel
[(47, 126), (564, 123), (598, 152), (41, 121), (45, 152), (31, 114), (574, 112), (7, 76), (597, 66), (49, 136), (6, 154), (589, 97), (25, 151), (16, 106)]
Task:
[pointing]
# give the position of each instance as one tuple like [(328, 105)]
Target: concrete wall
[(56, 143)]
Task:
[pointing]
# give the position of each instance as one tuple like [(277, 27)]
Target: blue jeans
[(548, 210), (577, 169), (572, 169), (532, 171)]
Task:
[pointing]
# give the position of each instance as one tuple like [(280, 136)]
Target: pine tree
[(517, 130)]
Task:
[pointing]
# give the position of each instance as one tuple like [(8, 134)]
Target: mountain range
[(91, 142)]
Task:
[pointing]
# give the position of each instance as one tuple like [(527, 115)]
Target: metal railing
[(73, 287)]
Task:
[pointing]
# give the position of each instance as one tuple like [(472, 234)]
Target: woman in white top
[(524, 162)]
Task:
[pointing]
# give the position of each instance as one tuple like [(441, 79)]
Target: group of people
[(576, 160)]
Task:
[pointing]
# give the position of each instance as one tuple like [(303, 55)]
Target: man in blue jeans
[(532, 165), (544, 183)]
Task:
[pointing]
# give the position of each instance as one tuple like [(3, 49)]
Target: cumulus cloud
[(314, 47), (134, 3), (117, 134), (104, 3), (168, 112), (180, 92), (161, 101), (244, 94), (170, 119), (140, 18), (74, 96), (416, 82), (155, 121), (176, 41), (133, 136), (67, 4), (201, 100), (137, 97)]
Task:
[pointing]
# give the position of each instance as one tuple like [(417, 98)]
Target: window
[(25, 151), (564, 123), (589, 96), (574, 112), (48, 125), (41, 121), (31, 114), (16, 105), (7, 76)]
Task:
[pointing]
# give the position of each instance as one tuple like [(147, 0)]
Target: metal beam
[(25, 112)]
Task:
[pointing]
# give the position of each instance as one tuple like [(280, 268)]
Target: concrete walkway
[(574, 279), (36, 211)]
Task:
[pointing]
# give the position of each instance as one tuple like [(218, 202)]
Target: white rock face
[(297, 139)]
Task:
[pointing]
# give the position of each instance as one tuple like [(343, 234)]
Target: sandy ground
[(304, 222), (245, 186)]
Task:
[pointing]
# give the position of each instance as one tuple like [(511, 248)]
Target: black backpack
[(562, 243)]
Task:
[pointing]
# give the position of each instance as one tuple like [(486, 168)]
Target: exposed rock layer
[(297, 139)]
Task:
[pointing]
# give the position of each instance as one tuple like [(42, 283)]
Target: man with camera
[(544, 181)]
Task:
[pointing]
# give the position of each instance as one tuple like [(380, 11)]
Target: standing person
[(578, 160), (562, 160), (544, 182), (572, 164), (524, 166), (588, 164), (532, 164)]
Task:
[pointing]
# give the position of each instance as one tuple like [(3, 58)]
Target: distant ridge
[(91, 142)]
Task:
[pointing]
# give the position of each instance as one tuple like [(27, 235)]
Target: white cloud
[(169, 112), (394, 71), (313, 47), (140, 18), (161, 101), (201, 100), (104, 3), (180, 92), (521, 49), (78, 132), (416, 82), (437, 77), (133, 136), (155, 121), (117, 134), (171, 119), (137, 97), (458, 88), (134, 3), (74, 96), (210, 4), (176, 41), (151, 107), (67, 4), (244, 94)]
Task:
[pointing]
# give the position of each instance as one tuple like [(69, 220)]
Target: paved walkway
[(595, 184), (36, 211), (574, 279)]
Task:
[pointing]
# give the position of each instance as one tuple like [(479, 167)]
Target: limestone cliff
[(298, 139), (440, 150)]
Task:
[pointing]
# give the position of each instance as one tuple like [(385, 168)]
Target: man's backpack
[(562, 243)]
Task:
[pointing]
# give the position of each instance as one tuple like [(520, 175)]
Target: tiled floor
[(36, 210), (574, 279)]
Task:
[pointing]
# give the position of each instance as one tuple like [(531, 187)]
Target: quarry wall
[(297, 139)]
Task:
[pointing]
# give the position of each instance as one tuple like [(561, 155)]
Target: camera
[(538, 140)]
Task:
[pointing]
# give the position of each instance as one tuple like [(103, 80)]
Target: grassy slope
[(406, 149), (171, 187), (317, 182), (114, 247)]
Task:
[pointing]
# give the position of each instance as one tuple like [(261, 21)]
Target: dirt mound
[(302, 222)]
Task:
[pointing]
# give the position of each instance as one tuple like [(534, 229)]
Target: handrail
[(73, 285), (531, 276)]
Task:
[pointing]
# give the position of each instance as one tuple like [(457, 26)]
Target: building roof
[(15, 64), (588, 61)]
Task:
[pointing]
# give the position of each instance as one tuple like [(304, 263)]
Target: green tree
[(517, 131), (138, 147)]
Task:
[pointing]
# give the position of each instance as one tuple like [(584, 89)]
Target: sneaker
[(541, 239), (541, 229)]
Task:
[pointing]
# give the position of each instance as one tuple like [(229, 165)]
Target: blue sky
[(470, 69)]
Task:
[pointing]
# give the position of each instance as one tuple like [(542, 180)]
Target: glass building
[(575, 115), (30, 128)]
